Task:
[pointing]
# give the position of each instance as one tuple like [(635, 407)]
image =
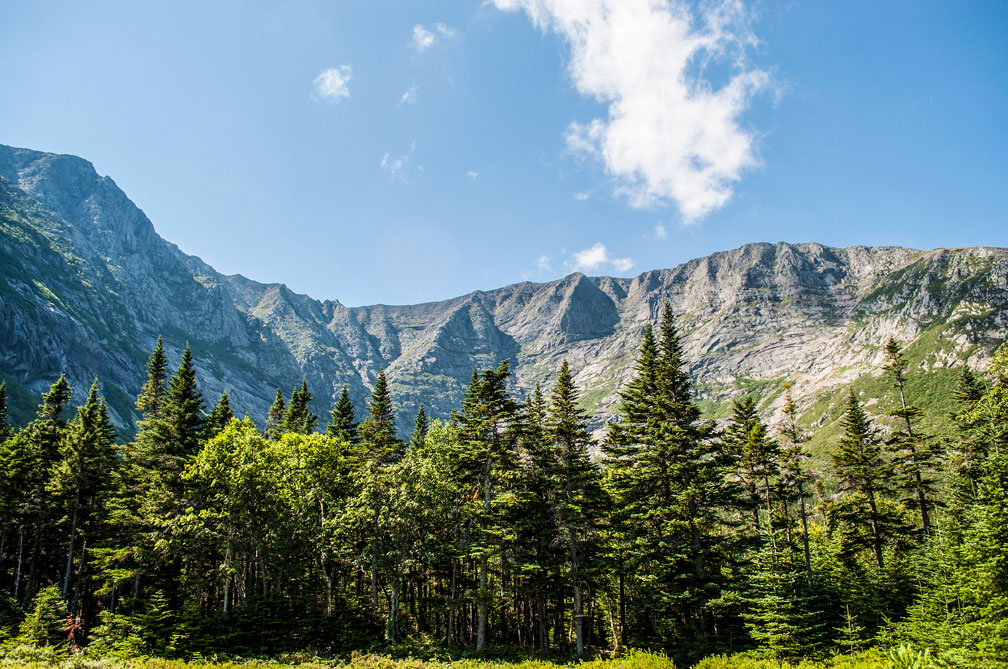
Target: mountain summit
[(87, 285)]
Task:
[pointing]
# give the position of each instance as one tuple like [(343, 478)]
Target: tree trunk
[(876, 533), (804, 524), (70, 549), (17, 574)]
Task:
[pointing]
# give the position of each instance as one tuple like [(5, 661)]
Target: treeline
[(506, 526)]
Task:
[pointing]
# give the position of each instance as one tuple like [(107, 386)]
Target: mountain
[(87, 285)]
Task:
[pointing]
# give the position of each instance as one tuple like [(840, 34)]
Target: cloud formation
[(472, 175), (409, 96), (397, 166), (332, 83), (595, 258), (424, 38), (671, 134)]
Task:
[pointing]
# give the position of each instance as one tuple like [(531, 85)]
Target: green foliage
[(342, 422), (43, 626)]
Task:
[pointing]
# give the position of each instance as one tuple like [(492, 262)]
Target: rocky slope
[(86, 286)]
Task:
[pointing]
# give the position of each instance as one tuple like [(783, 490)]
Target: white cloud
[(409, 96), (472, 175), (671, 134), (659, 231), (332, 83), (595, 258), (424, 38), (397, 167), (582, 195), (543, 262)]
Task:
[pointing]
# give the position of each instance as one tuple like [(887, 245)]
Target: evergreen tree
[(378, 431), (219, 417), (342, 422), (487, 425), (672, 490), (914, 450), (152, 398), (82, 475), (43, 626), (734, 442), (795, 473), (184, 410), (863, 474), (578, 498), (275, 419), (298, 418), (5, 429), (419, 428)]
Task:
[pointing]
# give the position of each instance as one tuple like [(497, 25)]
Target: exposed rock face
[(87, 285)]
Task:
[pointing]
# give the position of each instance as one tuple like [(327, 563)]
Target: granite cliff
[(87, 285)]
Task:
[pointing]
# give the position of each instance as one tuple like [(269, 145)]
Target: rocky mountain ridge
[(87, 285)]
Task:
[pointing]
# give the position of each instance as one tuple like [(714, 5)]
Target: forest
[(505, 529)]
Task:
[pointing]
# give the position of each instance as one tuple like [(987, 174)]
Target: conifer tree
[(5, 429), (298, 418), (794, 473), (81, 478), (671, 482), (734, 442), (379, 429), (419, 428), (275, 419), (219, 417), (914, 449), (184, 410), (487, 425), (578, 498), (342, 422), (859, 466)]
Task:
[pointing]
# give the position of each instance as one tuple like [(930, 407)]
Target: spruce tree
[(342, 422), (184, 411), (487, 426), (275, 419), (795, 473), (419, 428), (298, 418), (378, 431), (81, 477), (578, 500), (915, 451), (5, 429), (863, 475), (219, 417)]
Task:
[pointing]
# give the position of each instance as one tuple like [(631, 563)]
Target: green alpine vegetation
[(506, 530)]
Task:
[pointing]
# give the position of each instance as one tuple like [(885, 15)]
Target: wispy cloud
[(398, 167), (332, 83), (659, 231), (409, 96), (472, 175), (424, 37), (543, 263), (596, 258), (671, 135), (581, 196)]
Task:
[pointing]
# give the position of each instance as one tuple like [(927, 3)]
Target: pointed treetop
[(298, 418), (419, 428), (153, 395), (55, 399), (220, 416), (184, 408), (342, 421), (275, 418)]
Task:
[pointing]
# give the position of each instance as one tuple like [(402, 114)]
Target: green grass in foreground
[(897, 659)]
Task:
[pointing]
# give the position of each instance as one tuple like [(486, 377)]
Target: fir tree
[(43, 626), (152, 398), (275, 419), (82, 475), (184, 410), (914, 449), (298, 418), (219, 417), (578, 499), (378, 431), (794, 473), (5, 429), (861, 470), (419, 428), (342, 422)]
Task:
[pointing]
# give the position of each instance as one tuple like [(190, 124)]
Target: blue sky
[(397, 152)]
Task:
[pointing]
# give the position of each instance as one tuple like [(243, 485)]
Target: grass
[(32, 658)]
